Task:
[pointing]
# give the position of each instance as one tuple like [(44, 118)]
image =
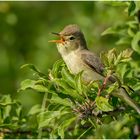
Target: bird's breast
[(75, 64)]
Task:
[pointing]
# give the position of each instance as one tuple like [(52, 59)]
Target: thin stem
[(85, 132), (42, 110), (92, 122)]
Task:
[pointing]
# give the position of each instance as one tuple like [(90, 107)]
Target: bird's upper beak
[(61, 40)]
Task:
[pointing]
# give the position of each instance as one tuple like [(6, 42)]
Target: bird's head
[(70, 38)]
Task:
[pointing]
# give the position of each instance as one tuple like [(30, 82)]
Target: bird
[(73, 49)]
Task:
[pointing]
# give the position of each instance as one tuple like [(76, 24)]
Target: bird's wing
[(93, 61)]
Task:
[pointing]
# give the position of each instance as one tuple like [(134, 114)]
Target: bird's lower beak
[(61, 40), (57, 41)]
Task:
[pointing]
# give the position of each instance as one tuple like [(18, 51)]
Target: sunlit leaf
[(57, 67), (103, 104), (131, 33), (112, 56), (57, 100), (66, 89), (64, 125), (19, 111), (27, 84), (112, 87), (44, 118), (124, 40), (110, 30), (135, 42), (6, 102), (78, 82), (104, 59), (115, 129), (68, 77), (132, 24), (40, 88), (34, 110)]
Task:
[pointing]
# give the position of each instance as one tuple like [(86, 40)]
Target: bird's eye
[(72, 38)]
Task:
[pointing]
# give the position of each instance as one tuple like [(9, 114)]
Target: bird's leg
[(103, 85)]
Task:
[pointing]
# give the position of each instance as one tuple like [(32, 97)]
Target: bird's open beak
[(61, 40)]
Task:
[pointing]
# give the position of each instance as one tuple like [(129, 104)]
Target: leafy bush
[(71, 109)]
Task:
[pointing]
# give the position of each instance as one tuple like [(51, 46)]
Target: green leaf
[(124, 56), (34, 110), (124, 40), (109, 30), (40, 88), (122, 70), (68, 77), (127, 53), (112, 57), (78, 82), (32, 67), (112, 87), (131, 33), (27, 84), (103, 104), (66, 89), (118, 129), (104, 58), (132, 24), (57, 100), (62, 83), (19, 111), (57, 67), (6, 102), (135, 42), (44, 118), (136, 87), (114, 101), (131, 8), (64, 125)]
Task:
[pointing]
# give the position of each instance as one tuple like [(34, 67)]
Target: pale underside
[(75, 64)]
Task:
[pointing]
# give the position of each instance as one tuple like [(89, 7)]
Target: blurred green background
[(25, 29)]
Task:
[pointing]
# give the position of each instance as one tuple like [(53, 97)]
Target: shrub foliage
[(71, 109)]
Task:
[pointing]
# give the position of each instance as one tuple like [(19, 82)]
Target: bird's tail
[(122, 94)]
